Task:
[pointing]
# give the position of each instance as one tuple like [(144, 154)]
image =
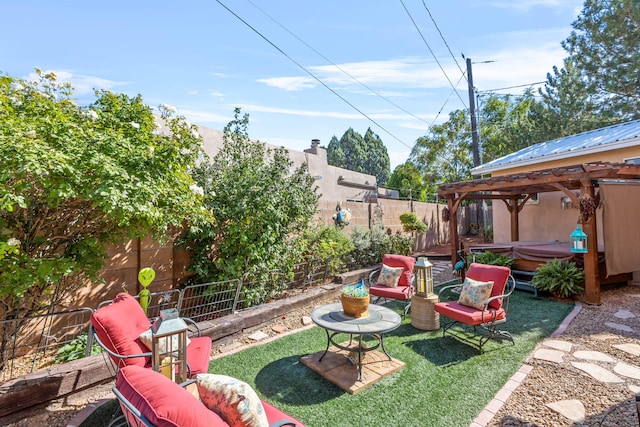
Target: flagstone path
[(616, 341)]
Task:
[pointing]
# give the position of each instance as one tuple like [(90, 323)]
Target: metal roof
[(608, 138)]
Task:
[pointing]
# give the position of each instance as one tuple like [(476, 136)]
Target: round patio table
[(376, 321)]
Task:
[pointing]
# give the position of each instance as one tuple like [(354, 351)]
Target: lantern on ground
[(578, 240), (424, 277), (169, 345)]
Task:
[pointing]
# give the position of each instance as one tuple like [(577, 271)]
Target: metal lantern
[(578, 240), (424, 277), (169, 345)]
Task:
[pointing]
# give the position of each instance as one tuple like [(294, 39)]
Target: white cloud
[(81, 83), (216, 94), (290, 83), (202, 117)]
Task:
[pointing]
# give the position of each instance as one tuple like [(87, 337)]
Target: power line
[(442, 37), (512, 87), (311, 74), (430, 50), (336, 65)]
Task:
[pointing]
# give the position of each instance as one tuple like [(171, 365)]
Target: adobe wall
[(534, 219)]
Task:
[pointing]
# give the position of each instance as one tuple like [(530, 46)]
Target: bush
[(560, 278), (76, 349), (494, 259), (326, 243)]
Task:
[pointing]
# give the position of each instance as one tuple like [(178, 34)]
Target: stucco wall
[(547, 220)]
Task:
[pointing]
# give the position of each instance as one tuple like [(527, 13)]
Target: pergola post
[(453, 229), (591, 269), (515, 224)]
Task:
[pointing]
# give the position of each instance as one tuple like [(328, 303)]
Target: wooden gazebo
[(515, 189)]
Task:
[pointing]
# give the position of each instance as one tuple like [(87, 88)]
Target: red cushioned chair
[(117, 328), (404, 290), (149, 399), (494, 308)]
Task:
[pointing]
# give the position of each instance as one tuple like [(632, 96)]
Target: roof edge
[(479, 170)]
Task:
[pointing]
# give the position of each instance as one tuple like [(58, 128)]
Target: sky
[(302, 70)]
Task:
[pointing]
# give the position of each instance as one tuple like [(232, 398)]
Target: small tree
[(75, 179), (258, 201), (412, 224)]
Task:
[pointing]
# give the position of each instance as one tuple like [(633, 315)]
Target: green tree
[(568, 106), (366, 155), (409, 181), (508, 124), (75, 179), (259, 203), (444, 154), (604, 48)]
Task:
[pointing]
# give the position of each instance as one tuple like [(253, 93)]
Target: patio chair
[(117, 327), (149, 399), (483, 302), (393, 280)]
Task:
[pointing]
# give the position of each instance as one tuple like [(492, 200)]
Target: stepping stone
[(593, 355), (619, 327), (306, 320), (549, 355), (630, 348), (598, 372), (572, 409), (624, 314), (627, 370), (258, 336), (604, 337), (558, 345)]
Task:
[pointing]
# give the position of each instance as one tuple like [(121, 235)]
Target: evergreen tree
[(366, 155), (605, 48)]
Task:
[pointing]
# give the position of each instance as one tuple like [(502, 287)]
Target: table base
[(337, 368)]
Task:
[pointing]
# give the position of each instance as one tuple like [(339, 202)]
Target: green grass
[(444, 382)]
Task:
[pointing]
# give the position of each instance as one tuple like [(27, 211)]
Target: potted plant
[(560, 278), (473, 228), (355, 299)]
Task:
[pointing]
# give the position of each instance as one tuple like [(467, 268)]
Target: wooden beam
[(591, 270), (515, 226), (453, 229)]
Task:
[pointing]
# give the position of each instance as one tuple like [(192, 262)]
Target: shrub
[(412, 224), (76, 349), (494, 259), (326, 243), (560, 278)]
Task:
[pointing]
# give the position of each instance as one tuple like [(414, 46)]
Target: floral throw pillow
[(475, 293), (389, 276), (145, 337), (234, 400)]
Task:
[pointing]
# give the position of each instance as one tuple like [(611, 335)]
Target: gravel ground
[(607, 405)]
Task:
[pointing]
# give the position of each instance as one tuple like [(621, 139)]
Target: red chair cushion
[(119, 325), (274, 414), (406, 262), (398, 293), (199, 355), (467, 315), (162, 401), (491, 273)]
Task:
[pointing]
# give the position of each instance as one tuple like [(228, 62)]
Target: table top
[(379, 319)]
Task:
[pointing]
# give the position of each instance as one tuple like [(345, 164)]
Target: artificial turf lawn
[(445, 382)]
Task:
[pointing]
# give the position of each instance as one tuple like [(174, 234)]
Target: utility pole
[(472, 112)]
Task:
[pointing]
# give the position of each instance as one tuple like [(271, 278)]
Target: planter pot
[(355, 307)]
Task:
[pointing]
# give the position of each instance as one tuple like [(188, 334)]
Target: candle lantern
[(424, 277), (169, 345), (578, 240)]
